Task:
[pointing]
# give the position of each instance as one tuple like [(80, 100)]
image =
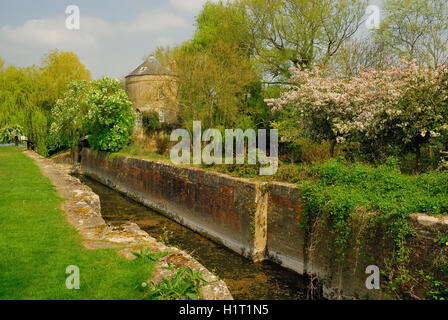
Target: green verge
[(37, 243)]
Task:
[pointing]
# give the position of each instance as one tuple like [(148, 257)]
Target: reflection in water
[(246, 280)]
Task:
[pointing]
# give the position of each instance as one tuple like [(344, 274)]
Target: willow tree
[(57, 70), (27, 95), (18, 92)]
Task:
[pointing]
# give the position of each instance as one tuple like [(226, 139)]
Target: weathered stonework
[(83, 210), (220, 207), (154, 88)]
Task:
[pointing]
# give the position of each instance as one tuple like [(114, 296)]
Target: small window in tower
[(161, 116), (142, 69), (161, 95)]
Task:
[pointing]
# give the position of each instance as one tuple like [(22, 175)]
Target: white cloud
[(106, 48), (52, 31), (165, 41), (45, 33), (154, 21), (190, 6)]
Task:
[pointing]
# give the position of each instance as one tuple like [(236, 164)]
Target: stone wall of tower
[(157, 93)]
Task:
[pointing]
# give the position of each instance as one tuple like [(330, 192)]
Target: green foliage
[(18, 98), (212, 82), (38, 132), (438, 289), (184, 285), (27, 95), (304, 31), (442, 239), (58, 69), (8, 134), (165, 237), (162, 144), (69, 116), (347, 197), (343, 188), (146, 254), (443, 166), (151, 122), (100, 109), (225, 22), (110, 115)]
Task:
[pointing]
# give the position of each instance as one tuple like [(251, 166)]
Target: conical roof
[(150, 67)]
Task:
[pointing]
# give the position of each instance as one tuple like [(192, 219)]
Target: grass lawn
[(37, 243)]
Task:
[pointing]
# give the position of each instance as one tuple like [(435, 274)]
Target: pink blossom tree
[(403, 106)]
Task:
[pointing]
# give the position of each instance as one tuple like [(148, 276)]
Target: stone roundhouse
[(152, 87)]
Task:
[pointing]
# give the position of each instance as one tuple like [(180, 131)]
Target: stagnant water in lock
[(245, 279)]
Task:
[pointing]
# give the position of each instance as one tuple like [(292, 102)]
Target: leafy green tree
[(58, 69), (224, 22), (213, 82), (27, 95), (110, 117), (69, 116), (39, 132), (290, 32), (17, 93)]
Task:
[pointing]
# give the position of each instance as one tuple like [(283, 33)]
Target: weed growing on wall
[(146, 254), (184, 285), (151, 122)]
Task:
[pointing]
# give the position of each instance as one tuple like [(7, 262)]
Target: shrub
[(69, 116), (162, 144), (8, 134), (291, 173), (151, 122), (110, 116)]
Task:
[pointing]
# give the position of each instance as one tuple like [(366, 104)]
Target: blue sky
[(114, 37)]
